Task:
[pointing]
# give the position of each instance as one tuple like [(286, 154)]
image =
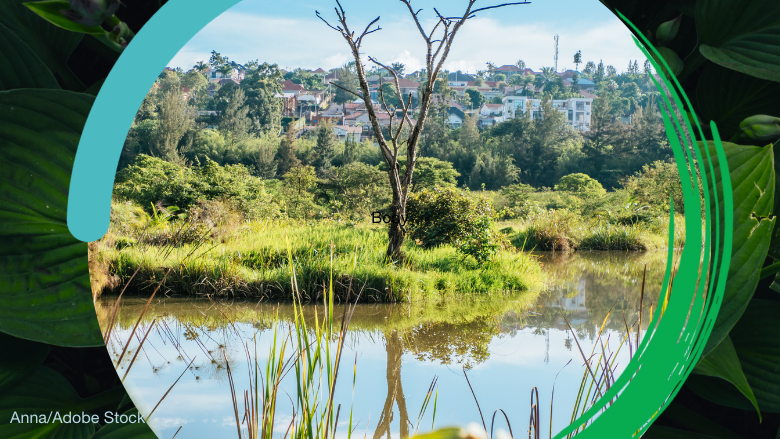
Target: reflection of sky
[(516, 364), (520, 357)]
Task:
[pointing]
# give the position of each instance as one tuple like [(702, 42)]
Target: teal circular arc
[(667, 353), (97, 156)]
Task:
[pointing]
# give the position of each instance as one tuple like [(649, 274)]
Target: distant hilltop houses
[(309, 97)]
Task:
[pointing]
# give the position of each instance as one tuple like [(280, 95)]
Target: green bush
[(441, 216), (581, 186), (153, 181), (656, 186), (549, 230)]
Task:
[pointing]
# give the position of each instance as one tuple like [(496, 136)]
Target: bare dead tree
[(438, 42)]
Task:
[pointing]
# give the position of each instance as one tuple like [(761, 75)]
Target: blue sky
[(288, 33)]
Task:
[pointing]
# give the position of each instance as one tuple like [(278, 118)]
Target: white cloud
[(309, 43)]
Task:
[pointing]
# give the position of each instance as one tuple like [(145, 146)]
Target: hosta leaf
[(20, 357), (753, 184), (135, 430), (723, 362), (21, 68), (741, 35), (663, 432), (774, 247), (699, 425), (53, 45), (758, 347), (45, 392), (728, 97), (44, 280), (49, 10)]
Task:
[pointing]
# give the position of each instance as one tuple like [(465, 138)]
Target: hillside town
[(308, 97)]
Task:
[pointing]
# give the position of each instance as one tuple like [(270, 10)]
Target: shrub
[(581, 186), (441, 216), (656, 185), (548, 230), (150, 180)]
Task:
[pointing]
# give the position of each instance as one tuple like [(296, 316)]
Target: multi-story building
[(577, 110)]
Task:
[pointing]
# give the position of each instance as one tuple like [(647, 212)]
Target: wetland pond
[(393, 352)]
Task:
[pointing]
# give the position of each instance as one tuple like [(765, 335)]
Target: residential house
[(344, 132), (458, 77), (319, 72), (238, 73), (509, 70), (330, 77), (490, 114), (334, 119), (577, 110), (491, 109), (225, 81), (290, 103), (291, 87), (361, 118), (456, 117), (586, 84)]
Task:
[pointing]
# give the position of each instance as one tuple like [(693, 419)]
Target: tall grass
[(253, 261), (562, 230)]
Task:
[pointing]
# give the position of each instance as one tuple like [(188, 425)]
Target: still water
[(393, 352)]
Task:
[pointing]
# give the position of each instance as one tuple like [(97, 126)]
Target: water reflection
[(509, 347)]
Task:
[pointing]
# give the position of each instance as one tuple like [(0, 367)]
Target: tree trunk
[(396, 232)]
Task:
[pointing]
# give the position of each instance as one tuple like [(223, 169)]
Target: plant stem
[(770, 270)]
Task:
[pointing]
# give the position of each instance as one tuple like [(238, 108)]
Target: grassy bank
[(255, 258), (565, 231)]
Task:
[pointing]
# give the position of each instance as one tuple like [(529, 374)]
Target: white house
[(344, 132), (577, 110)]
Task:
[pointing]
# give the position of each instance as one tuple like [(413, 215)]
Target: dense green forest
[(313, 172)]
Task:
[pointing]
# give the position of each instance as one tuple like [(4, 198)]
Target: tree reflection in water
[(394, 346)]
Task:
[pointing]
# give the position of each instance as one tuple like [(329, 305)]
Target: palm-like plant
[(226, 70), (201, 67), (547, 77)]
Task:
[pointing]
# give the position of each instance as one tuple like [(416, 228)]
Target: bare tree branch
[(434, 60), (346, 90)]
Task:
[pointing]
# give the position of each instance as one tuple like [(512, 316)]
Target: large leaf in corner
[(729, 97), (14, 365), (723, 362), (53, 45), (45, 392), (753, 184), (21, 67), (44, 279), (741, 35), (758, 347)]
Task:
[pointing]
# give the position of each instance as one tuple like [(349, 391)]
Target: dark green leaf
[(672, 59), (45, 392), (20, 357), (774, 247), (722, 362), (758, 347), (741, 35), (720, 392), (662, 432), (49, 10), (53, 45), (136, 430), (21, 68), (728, 97), (696, 422), (753, 183), (45, 292), (94, 89)]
